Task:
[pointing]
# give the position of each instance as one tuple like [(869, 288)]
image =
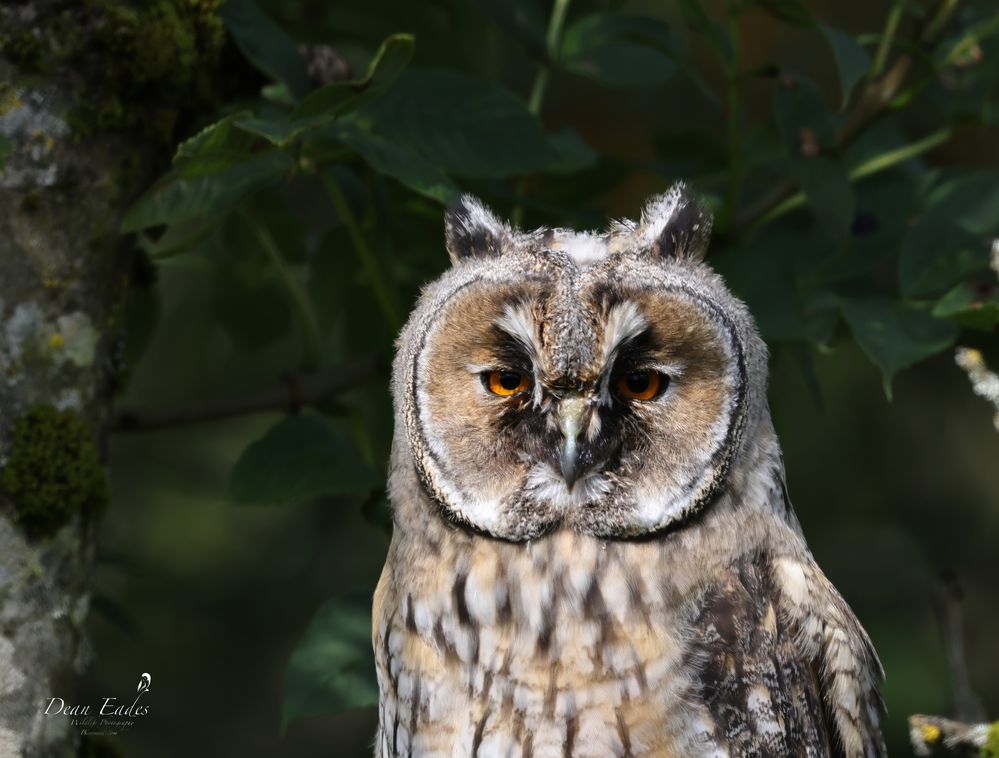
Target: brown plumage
[(601, 560)]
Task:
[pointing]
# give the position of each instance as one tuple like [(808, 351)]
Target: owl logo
[(144, 681)]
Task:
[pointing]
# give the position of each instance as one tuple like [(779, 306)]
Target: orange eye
[(640, 385), (506, 383)]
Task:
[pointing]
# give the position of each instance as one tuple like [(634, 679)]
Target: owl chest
[(569, 684)]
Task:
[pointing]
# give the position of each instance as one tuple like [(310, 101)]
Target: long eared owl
[(594, 552)]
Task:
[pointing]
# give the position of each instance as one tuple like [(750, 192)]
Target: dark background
[(212, 598)]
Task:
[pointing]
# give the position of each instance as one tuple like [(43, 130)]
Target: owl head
[(598, 382)]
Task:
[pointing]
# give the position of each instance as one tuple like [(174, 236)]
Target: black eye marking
[(638, 381), (509, 380), (508, 350)]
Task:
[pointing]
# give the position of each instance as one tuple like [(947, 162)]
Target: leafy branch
[(874, 100), (869, 167)]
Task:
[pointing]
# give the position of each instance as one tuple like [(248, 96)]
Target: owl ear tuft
[(675, 225), (472, 230)]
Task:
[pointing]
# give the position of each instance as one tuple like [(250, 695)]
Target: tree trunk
[(84, 121)]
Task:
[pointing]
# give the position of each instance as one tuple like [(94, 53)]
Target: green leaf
[(712, 31), (333, 667), (799, 106), (951, 238), (461, 124), (279, 94), (265, 44), (280, 131), (572, 151), (976, 204), (852, 61), (178, 238), (827, 187), (808, 133), (332, 277), (935, 254), (619, 49), (762, 271), (216, 147), (973, 306), (521, 19), (177, 197), (896, 335), (248, 297), (398, 161), (885, 204), (385, 67), (300, 459)]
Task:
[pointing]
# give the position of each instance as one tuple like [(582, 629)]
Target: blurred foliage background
[(850, 153)]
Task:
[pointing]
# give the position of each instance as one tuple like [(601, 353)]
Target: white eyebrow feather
[(518, 322), (624, 322)]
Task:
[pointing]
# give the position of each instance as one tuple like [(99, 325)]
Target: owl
[(594, 553)]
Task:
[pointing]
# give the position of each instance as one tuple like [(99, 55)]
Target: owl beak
[(571, 411)]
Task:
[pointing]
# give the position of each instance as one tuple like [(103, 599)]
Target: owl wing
[(783, 673)]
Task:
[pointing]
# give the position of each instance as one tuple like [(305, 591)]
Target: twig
[(291, 394), (967, 734), (891, 28), (948, 601), (553, 39)]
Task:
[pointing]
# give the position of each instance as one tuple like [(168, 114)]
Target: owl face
[(561, 380)]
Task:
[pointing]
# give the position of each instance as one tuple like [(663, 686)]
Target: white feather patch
[(476, 218), (584, 248), (545, 485), (658, 214)]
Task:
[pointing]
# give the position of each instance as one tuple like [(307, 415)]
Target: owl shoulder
[(784, 669)]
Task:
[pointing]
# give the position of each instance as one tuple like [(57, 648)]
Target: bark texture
[(63, 274)]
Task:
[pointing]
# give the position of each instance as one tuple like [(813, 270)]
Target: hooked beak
[(570, 423)]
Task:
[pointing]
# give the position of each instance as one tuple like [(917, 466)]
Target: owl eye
[(641, 384), (506, 383)]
